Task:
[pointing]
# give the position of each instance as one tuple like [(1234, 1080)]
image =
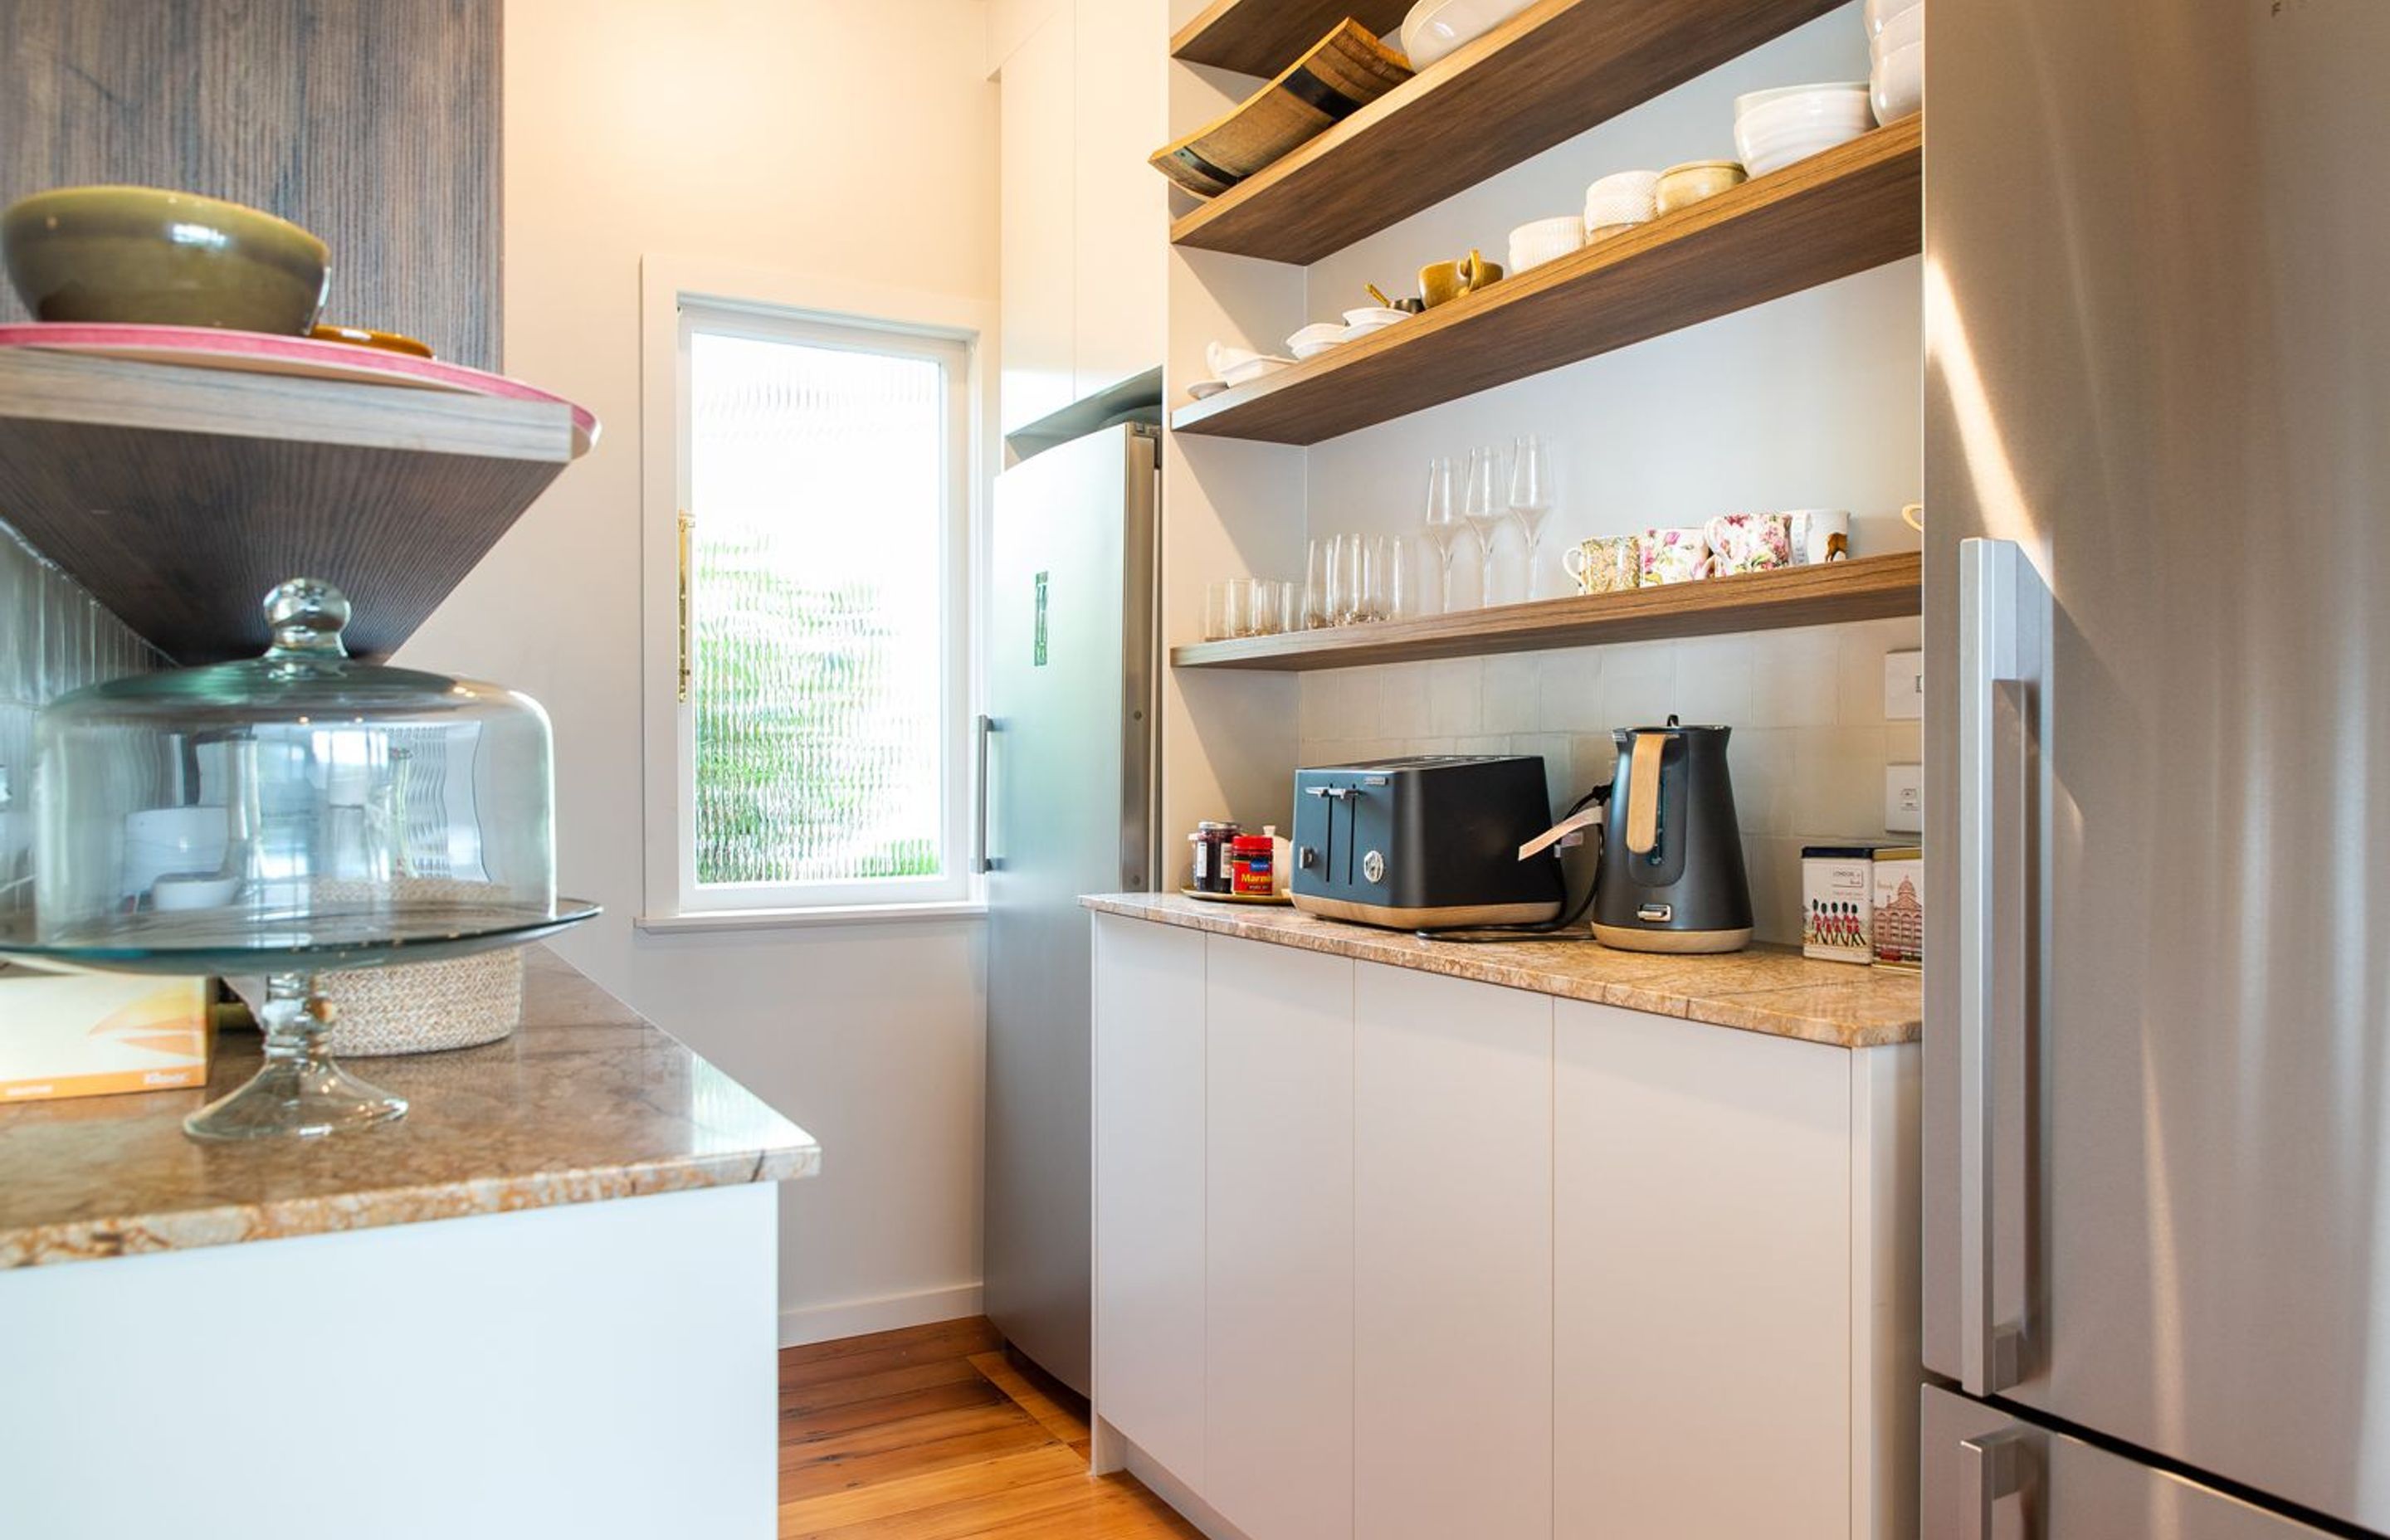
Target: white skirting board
[(827, 1323), (601, 1371)]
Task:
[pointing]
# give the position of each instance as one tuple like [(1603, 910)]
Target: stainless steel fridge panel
[(1989, 1475), (2157, 238), (1070, 678)]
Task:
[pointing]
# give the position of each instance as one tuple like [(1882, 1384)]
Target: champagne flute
[(1484, 515), (1443, 524), (1531, 500)]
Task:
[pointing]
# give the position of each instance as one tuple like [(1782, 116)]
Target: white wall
[(845, 141), (1813, 400)]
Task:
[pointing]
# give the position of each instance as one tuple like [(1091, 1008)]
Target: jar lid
[(1254, 844), (1210, 827)]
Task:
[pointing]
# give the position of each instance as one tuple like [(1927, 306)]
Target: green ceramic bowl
[(158, 258)]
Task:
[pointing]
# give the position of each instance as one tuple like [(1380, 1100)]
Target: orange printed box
[(74, 1034)]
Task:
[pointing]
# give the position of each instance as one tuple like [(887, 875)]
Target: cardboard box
[(1838, 902), (75, 1033), (1900, 907)]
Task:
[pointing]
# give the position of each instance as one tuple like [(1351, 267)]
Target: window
[(819, 679)]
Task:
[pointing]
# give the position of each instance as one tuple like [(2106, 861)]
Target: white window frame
[(816, 312)]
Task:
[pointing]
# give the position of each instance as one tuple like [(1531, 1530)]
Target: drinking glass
[(1443, 524), (1318, 608), (1377, 599), (1399, 579), (1290, 607), (1348, 580), (1483, 513), (1531, 501), (1240, 606), (1215, 613)]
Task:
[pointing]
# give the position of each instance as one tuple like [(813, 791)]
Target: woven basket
[(421, 1008)]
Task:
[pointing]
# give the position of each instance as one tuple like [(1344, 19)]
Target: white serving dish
[(1748, 101), (1435, 27), (1880, 14), (1204, 389), (1319, 331), (1899, 32), (1542, 240), (1253, 368), (1364, 328), (1898, 88), (1776, 133), (1374, 316), (1305, 351)]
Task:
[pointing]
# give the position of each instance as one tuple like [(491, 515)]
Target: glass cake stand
[(298, 1092)]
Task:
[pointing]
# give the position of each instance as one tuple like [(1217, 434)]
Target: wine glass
[(1531, 500), (1482, 513), (1443, 524)]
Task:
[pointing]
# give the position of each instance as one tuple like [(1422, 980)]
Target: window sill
[(798, 919)]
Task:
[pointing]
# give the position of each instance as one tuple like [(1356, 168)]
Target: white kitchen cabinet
[(1148, 1189), (1452, 1126), (1120, 235), (1037, 208), (1702, 1206), (1277, 1386)]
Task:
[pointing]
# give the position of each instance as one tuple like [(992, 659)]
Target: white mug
[(1819, 535)]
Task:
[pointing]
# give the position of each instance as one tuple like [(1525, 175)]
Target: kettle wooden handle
[(1643, 793)]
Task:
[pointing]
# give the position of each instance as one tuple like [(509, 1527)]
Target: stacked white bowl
[(1772, 129), (1895, 58), (1626, 197), (1543, 240)]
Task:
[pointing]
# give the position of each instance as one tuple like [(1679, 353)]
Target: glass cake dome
[(290, 814)]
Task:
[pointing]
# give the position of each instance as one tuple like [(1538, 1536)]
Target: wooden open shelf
[(1261, 37), (1855, 207), (1872, 588), (1545, 75), (179, 495)]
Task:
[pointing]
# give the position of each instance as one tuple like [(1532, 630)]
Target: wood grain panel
[(184, 514), (1547, 74), (1872, 588), (375, 125), (1855, 207), (1261, 37)]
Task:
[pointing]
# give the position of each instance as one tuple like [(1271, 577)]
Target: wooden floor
[(931, 1433)]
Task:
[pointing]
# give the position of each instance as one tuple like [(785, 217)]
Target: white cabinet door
[(1702, 1280), (1148, 1188), (1452, 1115), (1037, 208), (1123, 229), (1277, 1454)]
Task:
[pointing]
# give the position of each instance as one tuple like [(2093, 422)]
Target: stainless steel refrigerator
[(1068, 775), (2157, 1049)]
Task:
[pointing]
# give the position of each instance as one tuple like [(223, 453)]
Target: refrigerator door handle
[(983, 728), (1997, 656), (1994, 1468)]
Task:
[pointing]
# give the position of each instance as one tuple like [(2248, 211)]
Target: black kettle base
[(1685, 943)]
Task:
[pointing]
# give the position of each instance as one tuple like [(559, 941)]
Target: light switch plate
[(1904, 687), (1904, 799)]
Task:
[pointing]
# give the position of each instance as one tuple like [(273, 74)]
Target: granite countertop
[(586, 1102), (1765, 989)]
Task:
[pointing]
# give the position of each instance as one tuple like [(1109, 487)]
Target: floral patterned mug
[(1676, 556), (1749, 543)]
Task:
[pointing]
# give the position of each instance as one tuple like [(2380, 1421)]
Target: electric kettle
[(1672, 877)]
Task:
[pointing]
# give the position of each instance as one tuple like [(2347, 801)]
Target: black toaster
[(1425, 843)]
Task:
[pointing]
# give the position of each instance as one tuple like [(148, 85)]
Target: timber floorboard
[(933, 1433)]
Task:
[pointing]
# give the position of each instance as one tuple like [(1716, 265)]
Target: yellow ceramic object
[(365, 337), (1682, 186), (153, 257), (1440, 281)]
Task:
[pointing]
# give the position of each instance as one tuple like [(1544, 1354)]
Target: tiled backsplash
[(1809, 747), (54, 637)]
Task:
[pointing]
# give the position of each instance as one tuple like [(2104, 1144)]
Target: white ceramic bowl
[(1899, 83), (1748, 101), (1303, 350), (1880, 13), (1319, 331), (1435, 27), (1628, 194), (1360, 330), (1542, 240), (1204, 389), (1776, 134), (1374, 315), (1899, 32)]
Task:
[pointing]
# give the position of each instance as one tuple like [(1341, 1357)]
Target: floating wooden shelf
[(1855, 207), (1872, 588), (178, 496), (1545, 75), (1261, 37)]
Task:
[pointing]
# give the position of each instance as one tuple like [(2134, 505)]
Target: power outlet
[(1904, 687), (1904, 799)]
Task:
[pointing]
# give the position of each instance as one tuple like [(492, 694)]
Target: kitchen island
[(1401, 1238), (542, 1302)]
